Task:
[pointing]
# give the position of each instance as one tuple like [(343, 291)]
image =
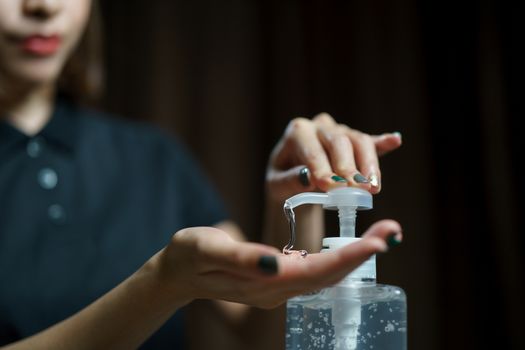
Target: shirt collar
[(60, 129), (9, 136)]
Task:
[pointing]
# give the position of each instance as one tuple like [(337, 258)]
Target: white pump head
[(346, 200), (334, 199)]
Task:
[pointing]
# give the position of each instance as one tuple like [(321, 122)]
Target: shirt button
[(47, 178), (56, 213), (34, 147)]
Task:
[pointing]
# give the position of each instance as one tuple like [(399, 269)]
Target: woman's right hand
[(206, 263)]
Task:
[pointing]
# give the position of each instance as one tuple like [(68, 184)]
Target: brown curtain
[(227, 76)]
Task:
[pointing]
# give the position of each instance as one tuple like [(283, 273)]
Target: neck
[(31, 109)]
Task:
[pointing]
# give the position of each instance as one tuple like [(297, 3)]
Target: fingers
[(335, 155), (388, 230), (259, 275), (311, 152), (340, 152), (352, 153), (303, 141), (366, 158), (323, 269), (387, 142), (383, 229), (316, 271)]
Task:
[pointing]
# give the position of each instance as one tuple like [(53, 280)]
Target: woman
[(85, 200)]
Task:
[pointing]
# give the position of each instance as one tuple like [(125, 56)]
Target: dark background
[(227, 76)]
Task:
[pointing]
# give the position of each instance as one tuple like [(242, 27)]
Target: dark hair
[(83, 75)]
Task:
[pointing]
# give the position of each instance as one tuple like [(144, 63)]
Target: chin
[(37, 72)]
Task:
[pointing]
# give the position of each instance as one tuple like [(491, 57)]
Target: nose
[(41, 9)]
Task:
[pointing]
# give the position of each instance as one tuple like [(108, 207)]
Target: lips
[(41, 45)]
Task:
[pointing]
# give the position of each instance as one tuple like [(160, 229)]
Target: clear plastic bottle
[(357, 313)]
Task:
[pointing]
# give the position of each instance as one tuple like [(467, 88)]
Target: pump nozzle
[(306, 198), (334, 199)]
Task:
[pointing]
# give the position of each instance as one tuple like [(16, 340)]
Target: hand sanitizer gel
[(356, 313)]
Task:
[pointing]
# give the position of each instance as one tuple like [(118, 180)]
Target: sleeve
[(200, 202)]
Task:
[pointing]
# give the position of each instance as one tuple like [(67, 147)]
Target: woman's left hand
[(333, 153)]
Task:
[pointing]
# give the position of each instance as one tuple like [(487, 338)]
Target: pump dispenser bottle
[(357, 313)]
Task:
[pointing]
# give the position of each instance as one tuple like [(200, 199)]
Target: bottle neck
[(347, 217), (353, 281), (364, 272)]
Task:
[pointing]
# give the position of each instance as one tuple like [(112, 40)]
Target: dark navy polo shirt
[(83, 205)]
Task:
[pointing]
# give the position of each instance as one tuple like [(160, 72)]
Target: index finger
[(238, 258), (310, 151)]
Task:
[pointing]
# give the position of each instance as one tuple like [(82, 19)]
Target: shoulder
[(112, 132), (151, 161)]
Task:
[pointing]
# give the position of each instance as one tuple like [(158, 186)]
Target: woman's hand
[(334, 154), (206, 263)]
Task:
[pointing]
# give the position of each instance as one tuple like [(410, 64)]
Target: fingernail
[(268, 264), (304, 177), (374, 181), (394, 239), (360, 179), (397, 134), (338, 178)]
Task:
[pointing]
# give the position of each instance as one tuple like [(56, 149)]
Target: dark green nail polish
[(392, 240), (338, 178), (268, 264), (360, 179)]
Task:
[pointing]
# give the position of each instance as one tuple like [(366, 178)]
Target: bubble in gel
[(295, 253)]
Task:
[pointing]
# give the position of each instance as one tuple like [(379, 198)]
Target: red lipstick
[(41, 45)]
